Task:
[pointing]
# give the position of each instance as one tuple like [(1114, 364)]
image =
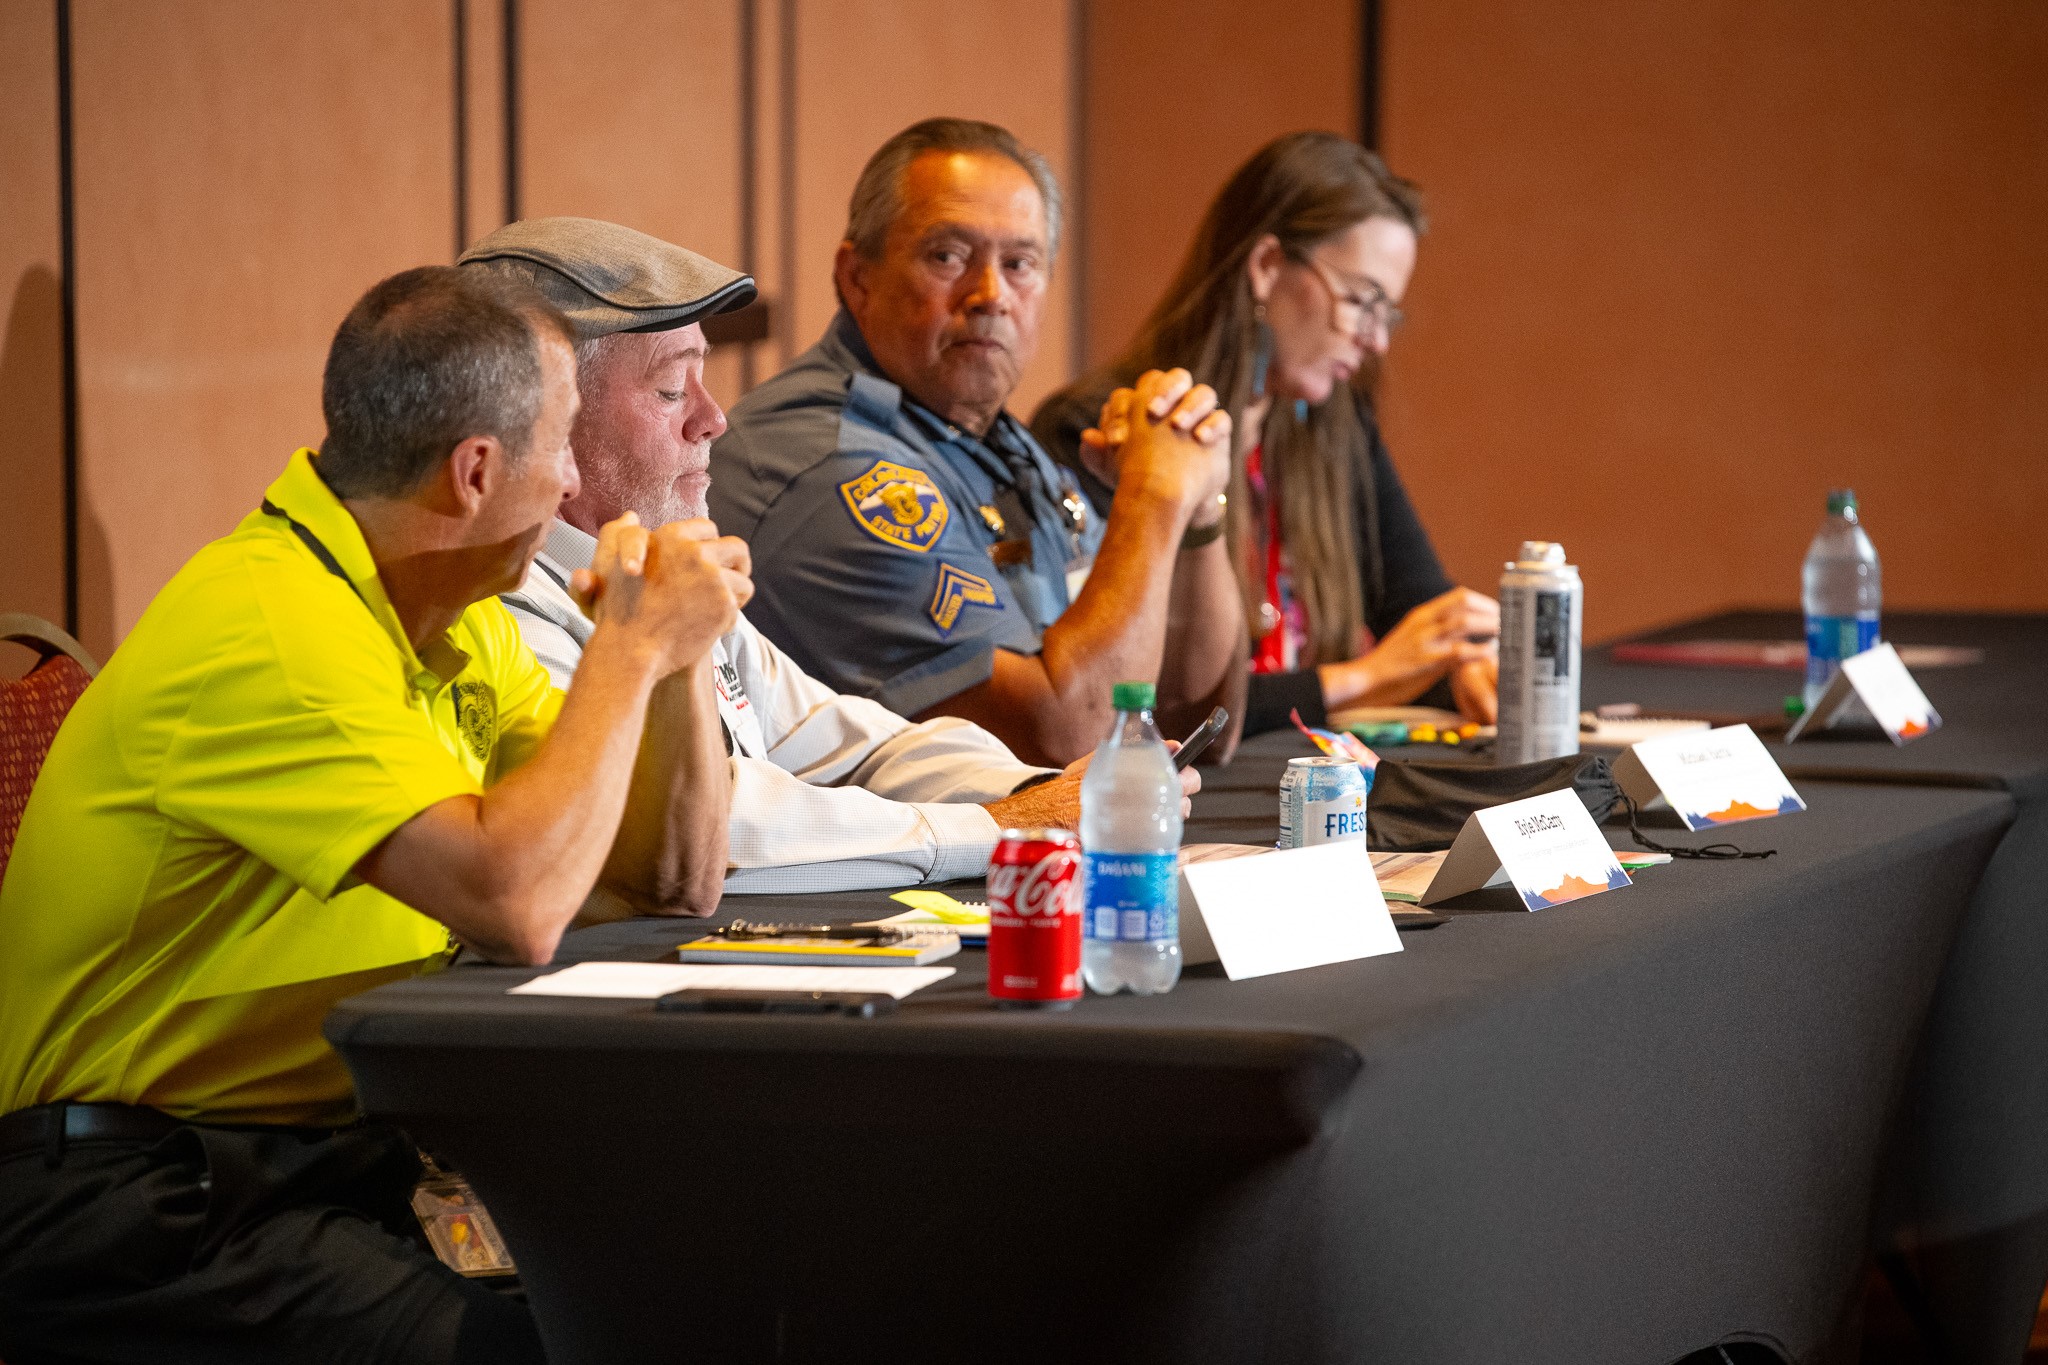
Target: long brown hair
[(1301, 189)]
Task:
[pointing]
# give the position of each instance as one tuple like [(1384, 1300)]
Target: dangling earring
[(1262, 351)]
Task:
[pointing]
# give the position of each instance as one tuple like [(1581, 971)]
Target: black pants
[(219, 1245)]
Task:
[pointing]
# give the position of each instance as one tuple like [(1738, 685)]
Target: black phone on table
[(1204, 735)]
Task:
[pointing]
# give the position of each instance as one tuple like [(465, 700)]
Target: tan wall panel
[(866, 70), (244, 172), (1694, 263), (659, 151), (1179, 95), (31, 346)]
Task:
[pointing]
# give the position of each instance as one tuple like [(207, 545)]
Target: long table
[(1619, 1130), (1963, 1210)]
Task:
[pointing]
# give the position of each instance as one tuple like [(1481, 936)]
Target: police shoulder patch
[(899, 505), (957, 589)]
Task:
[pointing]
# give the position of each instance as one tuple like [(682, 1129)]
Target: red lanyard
[(1280, 638)]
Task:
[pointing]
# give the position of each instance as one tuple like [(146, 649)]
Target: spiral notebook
[(796, 948)]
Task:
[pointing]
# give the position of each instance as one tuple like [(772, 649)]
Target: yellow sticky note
[(941, 907)]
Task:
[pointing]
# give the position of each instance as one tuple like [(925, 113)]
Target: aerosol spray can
[(1540, 606)]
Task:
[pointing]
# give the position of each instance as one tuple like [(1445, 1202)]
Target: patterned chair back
[(31, 708)]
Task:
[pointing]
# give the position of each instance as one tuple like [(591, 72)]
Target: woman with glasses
[(1284, 305)]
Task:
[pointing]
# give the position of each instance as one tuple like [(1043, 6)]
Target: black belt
[(50, 1128)]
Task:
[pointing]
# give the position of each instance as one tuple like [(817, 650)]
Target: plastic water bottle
[(1130, 846), (1842, 593)]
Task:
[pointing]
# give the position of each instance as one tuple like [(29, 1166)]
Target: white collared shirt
[(830, 792)]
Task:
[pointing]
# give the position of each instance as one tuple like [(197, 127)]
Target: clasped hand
[(1453, 634), (1166, 435), (676, 588)]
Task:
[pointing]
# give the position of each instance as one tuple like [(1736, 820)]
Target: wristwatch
[(1195, 537)]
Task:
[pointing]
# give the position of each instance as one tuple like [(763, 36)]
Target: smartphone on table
[(1204, 735)]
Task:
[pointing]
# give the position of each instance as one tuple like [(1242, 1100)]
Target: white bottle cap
[(1538, 553)]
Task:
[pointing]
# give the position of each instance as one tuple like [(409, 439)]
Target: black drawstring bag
[(1420, 807)]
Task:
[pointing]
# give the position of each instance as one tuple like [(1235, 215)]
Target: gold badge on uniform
[(959, 588), (899, 505), (476, 714), (991, 518)]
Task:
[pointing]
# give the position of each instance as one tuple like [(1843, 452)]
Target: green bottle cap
[(1841, 500), (1795, 707), (1132, 696)]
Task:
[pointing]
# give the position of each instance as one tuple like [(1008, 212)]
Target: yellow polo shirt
[(180, 911)]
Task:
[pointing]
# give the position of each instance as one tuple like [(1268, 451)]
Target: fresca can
[(1541, 603), (1034, 919), (1322, 800)]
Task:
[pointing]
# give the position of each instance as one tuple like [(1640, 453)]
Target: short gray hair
[(878, 195), (591, 353), (426, 360)]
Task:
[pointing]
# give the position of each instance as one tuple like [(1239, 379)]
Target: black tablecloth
[(1618, 1130), (1995, 722), (1966, 1199)]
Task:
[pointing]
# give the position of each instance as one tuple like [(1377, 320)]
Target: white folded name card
[(1546, 846), (1286, 909), (1878, 678), (1710, 777)]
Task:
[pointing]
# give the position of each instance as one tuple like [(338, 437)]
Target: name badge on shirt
[(735, 708)]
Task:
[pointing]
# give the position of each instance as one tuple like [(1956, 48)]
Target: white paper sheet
[(1294, 908), (647, 980), (1404, 877)]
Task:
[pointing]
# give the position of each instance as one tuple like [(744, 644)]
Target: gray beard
[(656, 503)]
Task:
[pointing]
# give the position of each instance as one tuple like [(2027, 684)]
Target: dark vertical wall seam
[(67, 268), (785, 314), (511, 26), (1369, 57), (749, 206), (461, 16), (1075, 230)]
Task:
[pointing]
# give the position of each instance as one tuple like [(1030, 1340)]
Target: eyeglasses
[(1361, 314)]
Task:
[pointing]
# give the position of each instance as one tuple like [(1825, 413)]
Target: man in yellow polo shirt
[(322, 758)]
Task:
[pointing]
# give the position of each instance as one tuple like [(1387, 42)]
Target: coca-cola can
[(1034, 919)]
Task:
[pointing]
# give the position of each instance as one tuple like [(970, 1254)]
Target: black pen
[(741, 929)]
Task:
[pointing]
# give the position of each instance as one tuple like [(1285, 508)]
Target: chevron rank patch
[(959, 588), (901, 506)]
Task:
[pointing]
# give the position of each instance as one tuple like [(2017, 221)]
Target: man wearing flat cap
[(915, 543), (830, 792)]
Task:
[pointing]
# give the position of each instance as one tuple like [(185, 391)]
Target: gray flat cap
[(609, 278)]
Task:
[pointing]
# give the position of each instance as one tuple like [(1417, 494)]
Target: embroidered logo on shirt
[(901, 506), (476, 715), (959, 588)]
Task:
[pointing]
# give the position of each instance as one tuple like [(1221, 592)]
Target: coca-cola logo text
[(1045, 887)]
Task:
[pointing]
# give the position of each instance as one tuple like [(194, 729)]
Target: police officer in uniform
[(912, 541)]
